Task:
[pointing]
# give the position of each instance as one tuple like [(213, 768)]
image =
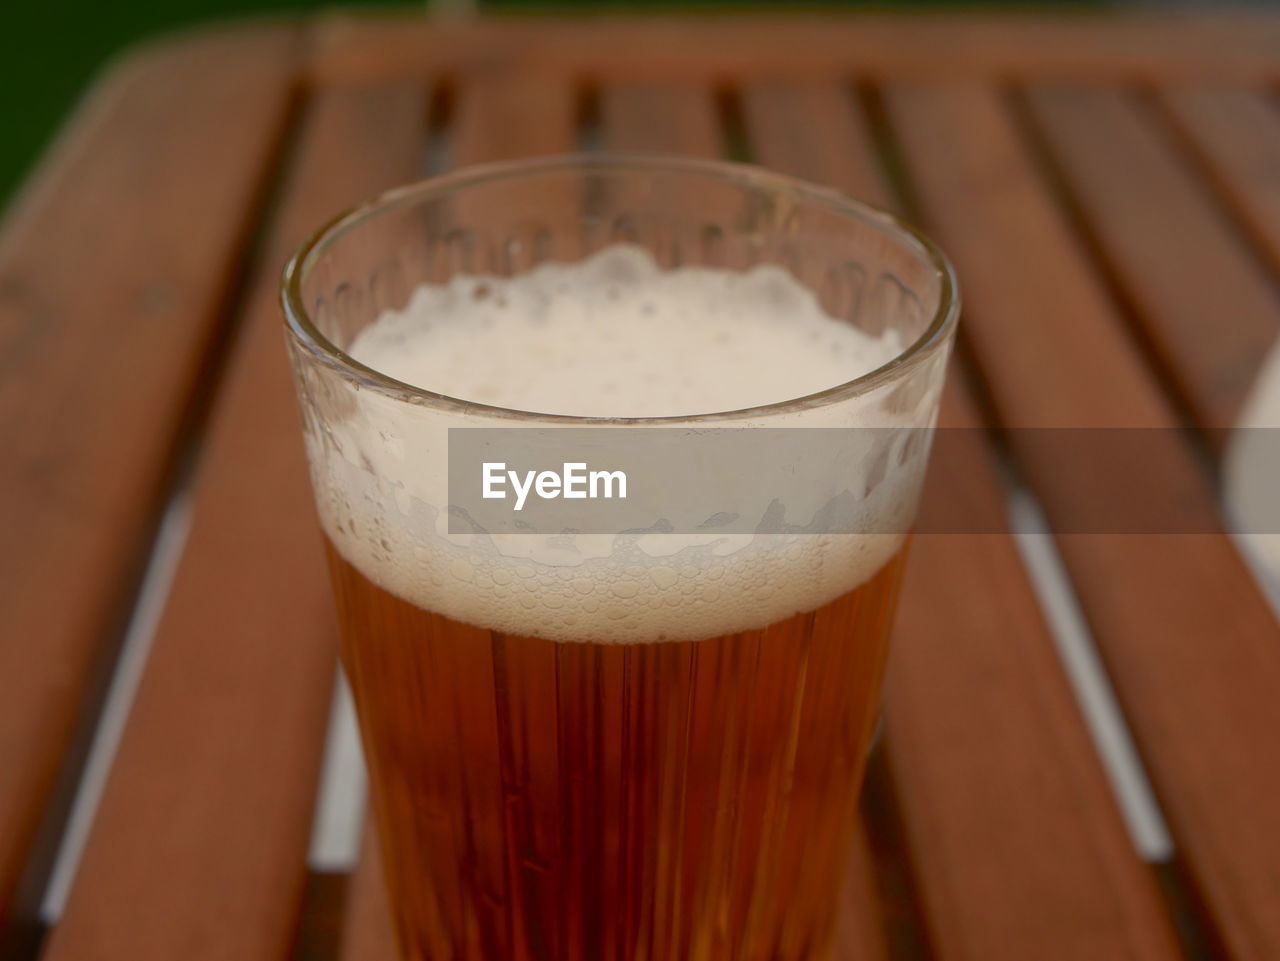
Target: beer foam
[(615, 336), (612, 336)]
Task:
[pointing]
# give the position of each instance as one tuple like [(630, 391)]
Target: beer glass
[(631, 753)]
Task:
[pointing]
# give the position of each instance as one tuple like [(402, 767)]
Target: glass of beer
[(595, 745)]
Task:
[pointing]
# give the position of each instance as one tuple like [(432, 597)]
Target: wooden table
[(1109, 190)]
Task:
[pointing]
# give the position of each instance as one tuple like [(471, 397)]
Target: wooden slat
[(631, 118), (660, 117), (501, 115), (198, 849), (114, 266), (1236, 134), (504, 113), (1204, 305), (1192, 648), (1119, 45), (1015, 839), (1185, 635), (860, 927), (1015, 836), (811, 129)]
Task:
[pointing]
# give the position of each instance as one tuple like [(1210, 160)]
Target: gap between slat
[(1090, 686), (336, 833), (1097, 701), (228, 263), (437, 141), (340, 807), (1207, 382), (1268, 578), (1223, 705), (1182, 142), (170, 541)]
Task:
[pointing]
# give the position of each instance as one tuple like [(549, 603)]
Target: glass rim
[(309, 337)]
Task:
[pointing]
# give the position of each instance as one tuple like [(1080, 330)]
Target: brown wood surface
[(1191, 646), (814, 129), (198, 850), (860, 926), (115, 266), (1148, 266), (1204, 304), (1117, 45), (670, 117), (1016, 841), (1018, 845), (504, 113), (1235, 133)]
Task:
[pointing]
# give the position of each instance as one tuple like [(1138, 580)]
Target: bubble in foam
[(613, 335)]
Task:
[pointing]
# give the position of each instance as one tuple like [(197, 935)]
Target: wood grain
[(1116, 45), (115, 266), (1014, 833), (1015, 839), (1204, 305), (1235, 134), (814, 129), (198, 849), (504, 112), (1192, 649), (660, 117)]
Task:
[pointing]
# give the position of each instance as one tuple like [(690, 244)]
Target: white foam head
[(611, 336)]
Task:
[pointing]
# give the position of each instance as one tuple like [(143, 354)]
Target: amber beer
[(643, 740), (598, 801)]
